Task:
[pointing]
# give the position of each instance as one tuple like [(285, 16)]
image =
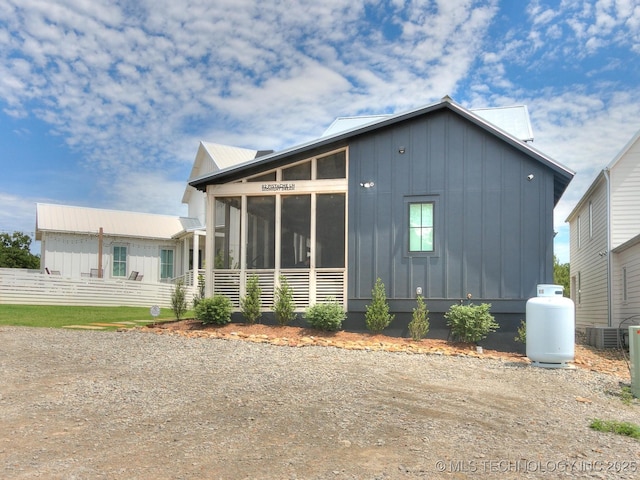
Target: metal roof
[(513, 120), (84, 220), (562, 177)]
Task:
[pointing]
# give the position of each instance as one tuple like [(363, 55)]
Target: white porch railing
[(308, 286), (190, 278), (24, 287)]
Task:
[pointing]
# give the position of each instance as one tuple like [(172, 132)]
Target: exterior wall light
[(401, 150), (367, 184)]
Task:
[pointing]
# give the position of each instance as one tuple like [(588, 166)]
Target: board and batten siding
[(589, 269), (625, 196), (493, 227), (77, 254)]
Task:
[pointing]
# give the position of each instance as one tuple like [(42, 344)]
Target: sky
[(103, 103)]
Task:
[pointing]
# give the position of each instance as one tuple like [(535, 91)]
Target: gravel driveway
[(134, 405)]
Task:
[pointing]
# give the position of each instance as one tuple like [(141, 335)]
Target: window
[(332, 166), (166, 264), (302, 171), (421, 227), (267, 177), (119, 261), (295, 231)]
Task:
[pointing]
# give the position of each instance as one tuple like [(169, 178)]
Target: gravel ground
[(134, 405)]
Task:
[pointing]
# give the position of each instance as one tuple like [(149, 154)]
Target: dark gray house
[(435, 201)]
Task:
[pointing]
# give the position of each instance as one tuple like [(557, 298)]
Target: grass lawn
[(57, 316)]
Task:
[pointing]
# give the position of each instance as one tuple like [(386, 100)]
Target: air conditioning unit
[(607, 337)]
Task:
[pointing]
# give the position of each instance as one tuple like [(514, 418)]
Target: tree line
[(15, 251)]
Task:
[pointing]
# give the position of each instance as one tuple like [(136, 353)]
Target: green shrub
[(326, 316), (250, 303), (377, 316), (470, 323), (283, 305), (179, 300), (216, 309), (521, 333), (419, 324)]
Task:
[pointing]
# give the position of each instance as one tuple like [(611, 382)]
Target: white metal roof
[(513, 120), (84, 220), (342, 124)]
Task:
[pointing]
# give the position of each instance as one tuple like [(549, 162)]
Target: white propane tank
[(550, 327)]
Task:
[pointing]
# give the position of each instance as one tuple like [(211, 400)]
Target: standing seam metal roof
[(84, 220)]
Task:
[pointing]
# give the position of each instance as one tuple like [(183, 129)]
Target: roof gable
[(562, 175)]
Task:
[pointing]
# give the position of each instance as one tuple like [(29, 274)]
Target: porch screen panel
[(330, 230), (227, 237), (261, 232), (332, 166), (295, 231)]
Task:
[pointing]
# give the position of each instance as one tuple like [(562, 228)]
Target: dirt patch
[(610, 361)]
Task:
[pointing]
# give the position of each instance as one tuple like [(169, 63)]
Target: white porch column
[(185, 256), (196, 260), (210, 240)]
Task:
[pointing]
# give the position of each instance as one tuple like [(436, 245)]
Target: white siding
[(625, 196), (74, 255), (589, 260), (627, 311)]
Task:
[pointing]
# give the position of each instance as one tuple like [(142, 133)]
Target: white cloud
[(133, 86), (17, 213)]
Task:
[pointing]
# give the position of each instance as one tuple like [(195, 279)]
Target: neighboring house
[(437, 201), (137, 246), (605, 249), (81, 242)]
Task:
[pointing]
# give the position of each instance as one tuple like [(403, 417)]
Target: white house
[(605, 249), (81, 242)]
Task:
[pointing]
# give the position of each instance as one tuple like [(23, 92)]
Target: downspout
[(609, 266)]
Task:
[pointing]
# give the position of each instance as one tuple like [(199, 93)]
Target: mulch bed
[(610, 361)]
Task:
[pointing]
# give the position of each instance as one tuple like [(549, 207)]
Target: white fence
[(28, 288)]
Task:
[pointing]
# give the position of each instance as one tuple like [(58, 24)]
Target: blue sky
[(103, 102)]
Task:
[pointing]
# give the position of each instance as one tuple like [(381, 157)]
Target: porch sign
[(278, 187)]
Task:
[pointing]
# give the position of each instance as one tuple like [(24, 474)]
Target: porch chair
[(133, 275)]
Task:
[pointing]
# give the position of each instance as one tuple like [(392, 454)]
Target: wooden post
[(100, 232)]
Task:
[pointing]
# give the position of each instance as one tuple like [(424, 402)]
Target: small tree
[(521, 333), (216, 309), (200, 295), (377, 315), (179, 300), (250, 303), (470, 323), (283, 305), (419, 324)]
